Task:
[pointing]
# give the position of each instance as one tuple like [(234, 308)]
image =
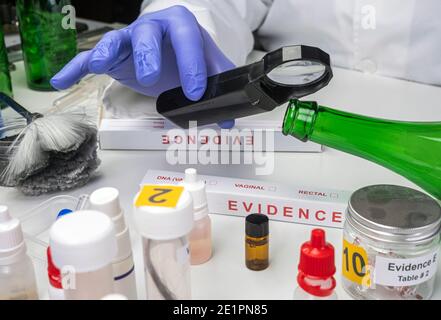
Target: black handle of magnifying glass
[(243, 91)]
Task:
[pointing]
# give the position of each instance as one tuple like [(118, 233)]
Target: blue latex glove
[(159, 51)]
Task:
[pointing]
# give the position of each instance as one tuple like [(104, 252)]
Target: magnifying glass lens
[(298, 72)]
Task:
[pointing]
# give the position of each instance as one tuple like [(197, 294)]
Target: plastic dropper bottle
[(200, 236), (164, 231), (17, 275), (316, 269), (106, 200), (83, 246)]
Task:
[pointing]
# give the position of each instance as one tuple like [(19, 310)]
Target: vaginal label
[(397, 272)]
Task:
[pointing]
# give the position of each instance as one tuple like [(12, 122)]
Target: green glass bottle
[(5, 77), (411, 149), (48, 39)]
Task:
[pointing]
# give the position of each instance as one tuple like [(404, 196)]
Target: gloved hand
[(159, 51)]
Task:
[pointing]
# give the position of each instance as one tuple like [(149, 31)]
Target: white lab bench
[(225, 275)]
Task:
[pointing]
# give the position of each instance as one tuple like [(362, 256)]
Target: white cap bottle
[(164, 232), (83, 246), (200, 236), (106, 200), (17, 275)]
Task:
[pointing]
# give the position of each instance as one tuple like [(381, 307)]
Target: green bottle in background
[(411, 149), (5, 77), (48, 45)]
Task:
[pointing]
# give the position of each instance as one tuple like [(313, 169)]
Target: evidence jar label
[(387, 271), (405, 272)]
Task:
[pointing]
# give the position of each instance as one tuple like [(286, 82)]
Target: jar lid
[(394, 214), (165, 223), (256, 225)]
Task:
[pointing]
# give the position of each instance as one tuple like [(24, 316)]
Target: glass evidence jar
[(48, 38), (163, 216), (391, 242)]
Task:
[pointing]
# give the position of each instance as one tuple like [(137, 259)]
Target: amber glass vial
[(256, 242)]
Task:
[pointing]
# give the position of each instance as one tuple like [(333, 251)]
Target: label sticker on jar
[(159, 196), (355, 260), (397, 272)]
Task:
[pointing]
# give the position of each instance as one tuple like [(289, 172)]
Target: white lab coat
[(395, 38)]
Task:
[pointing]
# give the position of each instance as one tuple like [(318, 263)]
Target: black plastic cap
[(256, 225)]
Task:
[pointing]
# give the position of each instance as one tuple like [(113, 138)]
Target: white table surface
[(225, 275)]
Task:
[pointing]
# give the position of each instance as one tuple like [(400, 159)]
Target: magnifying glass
[(290, 72)]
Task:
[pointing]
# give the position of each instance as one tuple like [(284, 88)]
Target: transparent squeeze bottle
[(17, 275), (164, 231), (106, 200), (200, 236), (83, 246)]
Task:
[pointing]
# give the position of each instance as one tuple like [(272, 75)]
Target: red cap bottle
[(53, 272), (317, 266)]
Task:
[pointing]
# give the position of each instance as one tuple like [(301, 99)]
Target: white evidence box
[(240, 197)]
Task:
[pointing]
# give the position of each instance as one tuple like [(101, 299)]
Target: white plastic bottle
[(17, 275), (164, 232), (200, 237), (83, 246), (316, 269), (106, 200)]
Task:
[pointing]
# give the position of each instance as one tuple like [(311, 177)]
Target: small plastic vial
[(106, 200), (257, 242), (17, 275), (55, 288), (200, 236), (316, 269), (164, 231), (83, 246)]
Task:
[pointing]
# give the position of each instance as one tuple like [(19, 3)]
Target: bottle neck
[(201, 212), (299, 119)]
